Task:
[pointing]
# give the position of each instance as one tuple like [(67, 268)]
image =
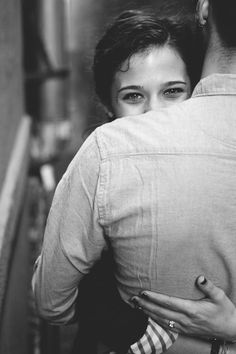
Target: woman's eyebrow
[(175, 82), (130, 87)]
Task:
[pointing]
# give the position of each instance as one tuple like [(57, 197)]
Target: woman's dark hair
[(136, 31)]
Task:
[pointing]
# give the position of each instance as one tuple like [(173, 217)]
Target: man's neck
[(219, 59)]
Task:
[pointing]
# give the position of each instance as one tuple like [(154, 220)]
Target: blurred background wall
[(14, 160), (11, 95)]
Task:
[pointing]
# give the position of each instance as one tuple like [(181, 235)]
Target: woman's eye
[(132, 97), (174, 92)]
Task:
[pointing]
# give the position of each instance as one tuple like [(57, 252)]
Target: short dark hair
[(224, 14), (136, 31)]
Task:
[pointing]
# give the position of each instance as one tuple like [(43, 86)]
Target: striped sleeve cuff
[(155, 340)]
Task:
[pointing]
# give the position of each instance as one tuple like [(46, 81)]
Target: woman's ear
[(202, 12), (109, 114)]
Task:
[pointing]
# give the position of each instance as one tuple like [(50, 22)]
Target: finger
[(164, 322), (209, 289), (158, 311), (172, 303), (178, 327)]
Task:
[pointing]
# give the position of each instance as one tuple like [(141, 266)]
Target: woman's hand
[(214, 316)]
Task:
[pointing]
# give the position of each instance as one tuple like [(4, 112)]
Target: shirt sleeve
[(156, 340), (73, 239)]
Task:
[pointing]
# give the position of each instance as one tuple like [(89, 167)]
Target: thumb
[(209, 289)]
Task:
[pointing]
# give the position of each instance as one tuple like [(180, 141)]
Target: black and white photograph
[(117, 176)]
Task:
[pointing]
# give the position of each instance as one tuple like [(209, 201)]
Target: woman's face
[(148, 81)]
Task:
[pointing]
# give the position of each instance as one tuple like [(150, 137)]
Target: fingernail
[(202, 280), (134, 300), (144, 294)]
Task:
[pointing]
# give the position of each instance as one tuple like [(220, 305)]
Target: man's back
[(161, 189), (167, 192)]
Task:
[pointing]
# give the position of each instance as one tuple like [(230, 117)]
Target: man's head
[(221, 17)]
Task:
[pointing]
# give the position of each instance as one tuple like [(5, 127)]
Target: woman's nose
[(153, 104)]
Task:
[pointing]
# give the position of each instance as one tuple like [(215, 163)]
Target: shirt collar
[(216, 84)]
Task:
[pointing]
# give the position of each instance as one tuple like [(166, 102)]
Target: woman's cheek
[(132, 109)]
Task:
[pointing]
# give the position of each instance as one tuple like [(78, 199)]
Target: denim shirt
[(160, 189)]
